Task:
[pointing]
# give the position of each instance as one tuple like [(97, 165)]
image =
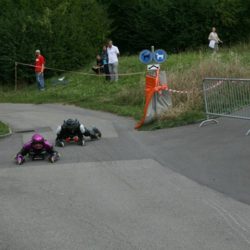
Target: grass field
[(4, 129), (185, 71)]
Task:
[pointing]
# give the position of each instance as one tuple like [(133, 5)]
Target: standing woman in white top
[(214, 40), (113, 53)]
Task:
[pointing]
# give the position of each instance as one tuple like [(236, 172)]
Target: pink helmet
[(37, 139)]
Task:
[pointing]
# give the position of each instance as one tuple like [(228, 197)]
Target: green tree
[(68, 32), (176, 25)]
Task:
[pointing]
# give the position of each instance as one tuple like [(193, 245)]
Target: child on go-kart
[(73, 130), (37, 148)]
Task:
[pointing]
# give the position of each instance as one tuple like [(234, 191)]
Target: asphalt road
[(183, 188)]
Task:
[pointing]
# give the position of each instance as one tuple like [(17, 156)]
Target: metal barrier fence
[(226, 97)]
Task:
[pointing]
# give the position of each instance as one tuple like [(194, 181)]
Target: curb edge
[(6, 135)]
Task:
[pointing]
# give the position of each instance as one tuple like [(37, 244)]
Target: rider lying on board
[(37, 148), (76, 131)]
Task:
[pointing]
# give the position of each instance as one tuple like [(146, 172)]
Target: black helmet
[(71, 124)]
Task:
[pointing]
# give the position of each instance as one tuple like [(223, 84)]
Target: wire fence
[(142, 73), (70, 71)]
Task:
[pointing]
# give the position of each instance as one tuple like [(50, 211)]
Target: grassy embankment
[(126, 97), (4, 129)]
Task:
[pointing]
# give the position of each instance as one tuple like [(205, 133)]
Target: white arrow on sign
[(153, 66)]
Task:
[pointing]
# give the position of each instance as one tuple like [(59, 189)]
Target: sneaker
[(60, 144), (81, 142), (99, 135), (20, 161), (97, 132), (52, 159)]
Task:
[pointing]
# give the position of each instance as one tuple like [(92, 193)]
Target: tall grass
[(185, 71), (227, 63)]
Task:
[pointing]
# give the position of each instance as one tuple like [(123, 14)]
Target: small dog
[(146, 56), (158, 56)]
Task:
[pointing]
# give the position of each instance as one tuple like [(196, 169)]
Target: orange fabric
[(152, 86), (160, 88)]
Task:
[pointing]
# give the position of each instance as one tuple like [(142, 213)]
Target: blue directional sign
[(146, 56), (160, 56)]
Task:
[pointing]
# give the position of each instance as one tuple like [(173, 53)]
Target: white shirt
[(113, 52), (214, 36)]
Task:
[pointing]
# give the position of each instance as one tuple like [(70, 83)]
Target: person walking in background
[(39, 69), (113, 53), (214, 40), (104, 56)]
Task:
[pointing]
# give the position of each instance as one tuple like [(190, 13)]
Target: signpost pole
[(154, 96)]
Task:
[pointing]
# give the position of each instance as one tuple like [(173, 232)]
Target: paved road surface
[(184, 188)]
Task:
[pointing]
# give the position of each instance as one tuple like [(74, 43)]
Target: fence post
[(208, 120), (15, 76)]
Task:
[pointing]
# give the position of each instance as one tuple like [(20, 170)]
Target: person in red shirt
[(39, 69)]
